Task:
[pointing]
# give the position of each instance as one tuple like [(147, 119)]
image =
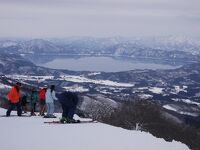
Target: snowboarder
[(14, 99), (42, 101), (50, 97), (33, 100), (69, 102), (24, 103)]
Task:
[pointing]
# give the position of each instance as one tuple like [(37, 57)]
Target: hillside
[(31, 133)]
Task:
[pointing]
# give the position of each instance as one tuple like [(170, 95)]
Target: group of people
[(33, 100), (46, 98)]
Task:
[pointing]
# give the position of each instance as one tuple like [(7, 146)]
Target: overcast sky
[(99, 18)]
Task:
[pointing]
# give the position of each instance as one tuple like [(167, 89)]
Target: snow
[(22, 133), (80, 79), (94, 73), (188, 113), (2, 63), (7, 44), (169, 107), (71, 78), (109, 101), (145, 96), (185, 101), (156, 90), (3, 86), (179, 89), (142, 88), (30, 78), (105, 92), (105, 89), (22, 55), (76, 89)]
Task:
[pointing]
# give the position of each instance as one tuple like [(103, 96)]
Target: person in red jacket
[(42, 101), (14, 99)]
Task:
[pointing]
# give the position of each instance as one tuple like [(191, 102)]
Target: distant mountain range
[(168, 48)]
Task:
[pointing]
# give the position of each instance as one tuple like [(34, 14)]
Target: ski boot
[(64, 120), (74, 121)]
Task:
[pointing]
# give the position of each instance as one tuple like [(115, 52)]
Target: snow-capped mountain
[(8, 43), (13, 62), (176, 48), (38, 46), (172, 43)]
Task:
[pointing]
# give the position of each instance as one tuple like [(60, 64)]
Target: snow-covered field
[(71, 78), (30, 133), (30, 78), (80, 79), (145, 96), (156, 90), (187, 101), (76, 89)]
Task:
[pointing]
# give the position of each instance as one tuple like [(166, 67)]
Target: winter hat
[(18, 84)]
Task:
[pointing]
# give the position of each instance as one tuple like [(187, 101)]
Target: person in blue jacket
[(68, 102), (50, 97)]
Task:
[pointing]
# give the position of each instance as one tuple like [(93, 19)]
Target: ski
[(58, 122), (49, 116), (15, 116)]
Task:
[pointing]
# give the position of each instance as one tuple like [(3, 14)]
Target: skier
[(24, 103), (33, 100), (42, 101), (14, 99), (69, 102), (50, 97)]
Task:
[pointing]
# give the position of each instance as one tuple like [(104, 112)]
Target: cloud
[(98, 17)]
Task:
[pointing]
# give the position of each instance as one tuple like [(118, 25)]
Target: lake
[(106, 64)]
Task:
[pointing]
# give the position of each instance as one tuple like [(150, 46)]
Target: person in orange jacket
[(14, 99)]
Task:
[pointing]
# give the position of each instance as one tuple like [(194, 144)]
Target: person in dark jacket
[(24, 103), (33, 100), (69, 102)]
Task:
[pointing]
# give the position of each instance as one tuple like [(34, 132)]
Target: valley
[(177, 90)]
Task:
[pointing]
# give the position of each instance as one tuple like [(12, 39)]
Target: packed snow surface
[(30, 133)]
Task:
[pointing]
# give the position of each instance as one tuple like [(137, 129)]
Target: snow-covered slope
[(22, 133)]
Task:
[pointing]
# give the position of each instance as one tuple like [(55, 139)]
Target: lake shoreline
[(101, 63)]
